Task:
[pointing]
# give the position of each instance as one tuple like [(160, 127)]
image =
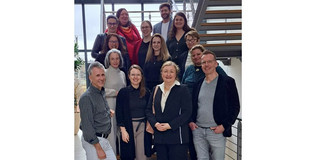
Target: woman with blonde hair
[(169, 113), (157, 54)]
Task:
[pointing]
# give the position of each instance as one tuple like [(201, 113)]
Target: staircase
[(219, 24)]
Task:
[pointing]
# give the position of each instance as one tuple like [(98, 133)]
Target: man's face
[(208, 64), (97, 77), (165, 12), (112, 25), (191, 41)]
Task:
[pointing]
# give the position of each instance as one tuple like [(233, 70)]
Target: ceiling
[(126, 1)]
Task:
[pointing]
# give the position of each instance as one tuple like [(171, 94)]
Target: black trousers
[(172, 151)]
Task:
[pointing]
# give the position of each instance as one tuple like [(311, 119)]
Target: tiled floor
[(80, 154)]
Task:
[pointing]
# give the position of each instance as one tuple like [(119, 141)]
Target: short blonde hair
[(170, 63)]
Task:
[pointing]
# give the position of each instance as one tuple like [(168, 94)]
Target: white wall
[(235, 71)]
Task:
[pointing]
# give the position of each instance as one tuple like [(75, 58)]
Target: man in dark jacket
[(215, 108)]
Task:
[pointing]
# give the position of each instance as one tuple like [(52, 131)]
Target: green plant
[(78, 62)]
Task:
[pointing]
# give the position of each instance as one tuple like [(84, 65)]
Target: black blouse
[(137, 105)]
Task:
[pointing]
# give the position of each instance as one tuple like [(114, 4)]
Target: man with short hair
[(96, 117), (215, 109), (164, 26), (112, 23)]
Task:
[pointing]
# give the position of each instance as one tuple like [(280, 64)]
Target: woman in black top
[(130, 113), (172, 108), (176, 42), (114, 41), (157, 54), (146, 29)]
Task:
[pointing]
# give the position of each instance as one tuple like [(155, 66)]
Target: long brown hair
[(121, 48), (185, 27), (164, 53), (142, 86)]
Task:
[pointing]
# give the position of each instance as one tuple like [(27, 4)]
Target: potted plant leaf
[(78, 63)]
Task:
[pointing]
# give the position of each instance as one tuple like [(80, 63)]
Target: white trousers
[(91, 152)]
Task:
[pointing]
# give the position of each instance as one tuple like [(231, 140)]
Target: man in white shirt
[(164, 26)]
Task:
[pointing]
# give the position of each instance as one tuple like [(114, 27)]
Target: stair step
[(221, 44), (224, 2), (221, 36), (222, 14), (220, 26)]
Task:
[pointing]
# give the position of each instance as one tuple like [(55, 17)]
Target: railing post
[(239, 140)]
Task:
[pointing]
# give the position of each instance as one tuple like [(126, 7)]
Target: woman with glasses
[(130, 111), (146, 29), (129, 31), (114, 41)]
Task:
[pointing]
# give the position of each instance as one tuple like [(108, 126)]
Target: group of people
[(137, 80)]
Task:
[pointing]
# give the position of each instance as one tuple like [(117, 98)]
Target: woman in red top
[(129, 31)]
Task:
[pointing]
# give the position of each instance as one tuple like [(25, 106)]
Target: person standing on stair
[(96, 117)]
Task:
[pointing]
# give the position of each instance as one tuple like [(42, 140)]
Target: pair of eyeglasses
[(206, 62), (112, 24), (190, 40), (135, 75), (113, 41)]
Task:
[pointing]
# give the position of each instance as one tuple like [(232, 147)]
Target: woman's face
[(196, 57), (124, 17), (179, 22), (113, 43), (135, 77), (169, 74), (156, 45), (145, 29), (114, 60)]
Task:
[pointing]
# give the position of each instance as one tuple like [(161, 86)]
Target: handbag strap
[(154, 95)]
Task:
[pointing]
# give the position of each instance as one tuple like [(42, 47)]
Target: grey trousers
[(208, 144), (91, 152), (139, 140)]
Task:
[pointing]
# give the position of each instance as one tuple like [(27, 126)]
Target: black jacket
[(178, 100), (226, 105), (98, 44), (124, 119)]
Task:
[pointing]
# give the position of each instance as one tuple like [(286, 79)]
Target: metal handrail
[(238, 127)]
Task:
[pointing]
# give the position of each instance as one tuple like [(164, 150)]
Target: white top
[(164, 30), (115, 80), (188, 61), (165, 94)]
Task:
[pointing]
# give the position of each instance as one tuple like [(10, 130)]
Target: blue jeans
[(91, 152), (209, 144)]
